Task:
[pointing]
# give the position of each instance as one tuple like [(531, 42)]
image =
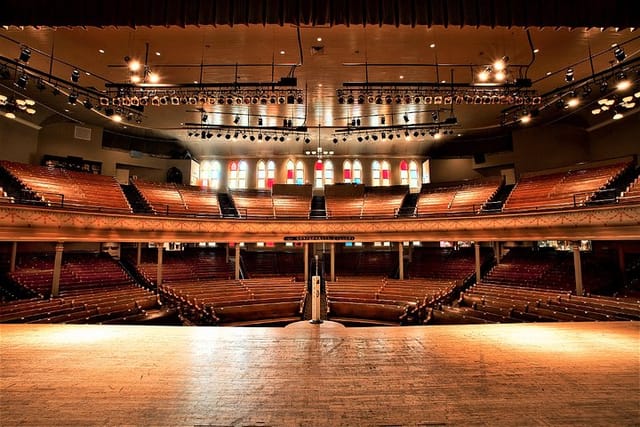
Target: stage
[(507, 374)]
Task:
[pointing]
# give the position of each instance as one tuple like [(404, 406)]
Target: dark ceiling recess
[(491, 13)]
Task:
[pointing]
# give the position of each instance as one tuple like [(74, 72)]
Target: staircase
[(14, 188), (227, 208), (137, 203), (617, 185), (408, 207), (495, 203), (318, 209)]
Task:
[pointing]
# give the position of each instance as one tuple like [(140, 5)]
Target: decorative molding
[(616, 222)]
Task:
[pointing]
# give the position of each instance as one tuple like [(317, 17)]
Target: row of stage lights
[(10, 105), (411, 98), (155, 100)]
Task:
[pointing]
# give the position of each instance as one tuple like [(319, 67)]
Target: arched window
[(328, 172), (317, 172), (357, 172), (414, 179), (299, 172), (261, 174), (232, 177), (346, 172), (237, 175), (386, 174), (210, 174), (271, 173), (290, 172), (404, 173), (375, 173)]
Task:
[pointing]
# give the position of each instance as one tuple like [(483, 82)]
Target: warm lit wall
[(445, 170), (618, 139)]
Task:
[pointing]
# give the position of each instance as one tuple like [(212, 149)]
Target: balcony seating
[(344, 200), (164, 199), (632, 193), (383, 201), (561, 189), (291, 201), (63, 188), (456, 198), (253, 203)]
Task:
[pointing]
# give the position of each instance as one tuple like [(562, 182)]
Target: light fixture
[(72, 98), (87, 104), (116, 118), (568, 76), (483, 75), (22, 81), (134, 64), (618, 115), (153, 77), (525, 118), (204, 118), (500, 64), (75, 76), (25, 54), (499, 75), (236, 120)]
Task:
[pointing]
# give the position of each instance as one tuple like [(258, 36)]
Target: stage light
[(374, 137), (154, 77), (525, 118), (500, 64), (209, 135), (135, 101), (204, 118), (350, 99), (22, 81), (25, 54), (291, 99), (499, 76), (617, 115), (405, 118), (227, 136), (259, 121), (361, 99), (75, 76), (382, 120), (483, 75), (155, 101), (359, 138), (116, 118), (134, 64), (87, 104), (300, 100), (267, 137), (72, 98), (282, 100), (135, 78), (568, 76), (307, 140), (619, 54), (236, 120)]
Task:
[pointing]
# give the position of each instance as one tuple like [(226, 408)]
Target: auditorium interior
[(275, 212)]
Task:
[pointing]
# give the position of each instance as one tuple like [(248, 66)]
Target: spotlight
[(25, 54), (236, 120), (227, 136), (252, 138), (378, 99), (164, 100), (390, 136), (87, 104), (350, 99), (398, 99), (434, 116), (388, 99), (382, 120), (617, 115), (72, 98), (259, 121), (341, 99), (405, 118), (501, 63), (108, 112), (374, 137), (5, 73), (291, 99), (568, 76), (155, 101), (204, 118), (134, 64), (135, 101), (417, 100), (307, 140), (175, 100), (483, 75), (282, 100), (361, 99), (104, 101), (619, 54), (300, 100), (359, 138), (407, 99), (22, 81), (281, 139), (272, 99), (267, 137), (603, 86), (75, 76), (209, 135)]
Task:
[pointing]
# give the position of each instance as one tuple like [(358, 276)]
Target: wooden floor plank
[(507, 374)]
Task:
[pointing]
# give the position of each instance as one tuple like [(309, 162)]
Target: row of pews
[(174, 199), (469, 197), (382, 301), (93, 289), (488, 303), (247, 302), (64, 188)]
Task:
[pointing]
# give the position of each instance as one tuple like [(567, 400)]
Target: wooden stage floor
[(527, 374)]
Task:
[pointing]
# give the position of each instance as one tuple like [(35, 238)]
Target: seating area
[(380, 301), (383, 201), (632, 193), (164, 199), (291, 201), (488, 303), (366, 263), (93, 289), (4, 197), (69, 189), (456, 198), (253, 203), (344, 200), (190, 265), (563, 189), (275, 300), (273, 263), (445, 263)]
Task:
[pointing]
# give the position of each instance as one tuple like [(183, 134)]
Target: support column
[(306, 262), (577, 267), (400, 261), (160, 254), (237, 261), (333, 262), (476, 246), (57, 267), (139, 254), (14, 252)]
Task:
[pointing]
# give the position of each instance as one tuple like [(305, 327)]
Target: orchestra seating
[(93, 289), (488, 303), (381, 301), (274, 300), (273, 263), (344, 200), (562, 189), (456, 198), (253, 203), (383, 201), (552, 269), (64, 188), (291, 201), (366, 263), (445, 263), (193, 264)]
